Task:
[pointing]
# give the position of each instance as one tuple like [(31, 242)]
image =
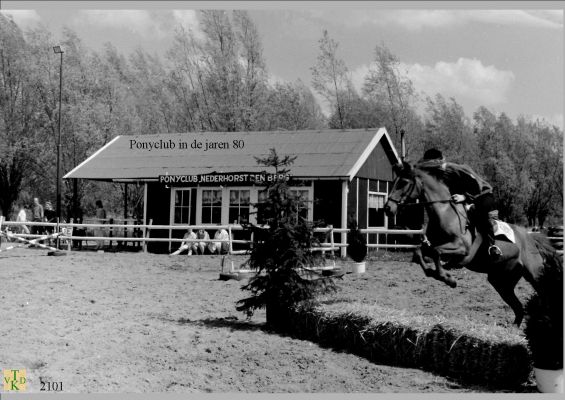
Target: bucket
[(358, 267), (549, 380)]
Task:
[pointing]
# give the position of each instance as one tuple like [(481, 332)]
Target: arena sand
[(135, 322)]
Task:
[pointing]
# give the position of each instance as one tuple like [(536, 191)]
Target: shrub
[(544, 321), (357, 245)]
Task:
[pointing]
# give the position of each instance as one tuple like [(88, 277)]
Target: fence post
[(343, 242), (332, 242), (111, 231), (146, 232), (71, 231), (230, 247)]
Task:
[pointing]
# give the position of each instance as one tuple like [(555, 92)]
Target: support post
[(344, 190)]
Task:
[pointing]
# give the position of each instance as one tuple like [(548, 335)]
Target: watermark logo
[(15, 380)]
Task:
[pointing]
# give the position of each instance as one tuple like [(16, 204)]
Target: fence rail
[(140, 234)]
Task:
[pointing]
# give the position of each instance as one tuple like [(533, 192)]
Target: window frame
[(385, 197), (199, 193), (173, 206)]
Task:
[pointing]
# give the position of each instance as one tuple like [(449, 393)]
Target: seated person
[(222, 245), (190, 246), (201, 246)]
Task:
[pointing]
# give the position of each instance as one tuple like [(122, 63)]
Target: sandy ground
[(134, 322)]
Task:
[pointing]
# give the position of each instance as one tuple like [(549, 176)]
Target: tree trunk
[(277, 317)]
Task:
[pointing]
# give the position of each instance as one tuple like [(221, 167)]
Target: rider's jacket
[(461, 179)]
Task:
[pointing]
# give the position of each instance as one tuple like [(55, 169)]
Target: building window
[(382, 186), (304, 210), (261, 197), (303, 197), (212, 206), (239, 206), (182, 207), (376, 210)]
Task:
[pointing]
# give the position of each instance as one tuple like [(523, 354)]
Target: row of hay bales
[(466, 351)]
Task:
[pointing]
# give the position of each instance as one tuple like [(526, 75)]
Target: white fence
[(140, 234)]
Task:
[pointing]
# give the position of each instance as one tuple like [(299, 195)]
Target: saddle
[(501, 229)]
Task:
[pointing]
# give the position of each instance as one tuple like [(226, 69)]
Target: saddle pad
[(503, 229)]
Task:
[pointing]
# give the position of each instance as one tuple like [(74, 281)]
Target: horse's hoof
[(452, 283)]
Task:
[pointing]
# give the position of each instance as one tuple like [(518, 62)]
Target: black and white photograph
[(314, 197)]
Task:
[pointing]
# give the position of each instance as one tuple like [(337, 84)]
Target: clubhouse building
[(213, 178)]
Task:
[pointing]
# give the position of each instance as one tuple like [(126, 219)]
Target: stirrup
[(494, 250)]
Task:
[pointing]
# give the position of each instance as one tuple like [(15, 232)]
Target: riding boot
[(494, 251)]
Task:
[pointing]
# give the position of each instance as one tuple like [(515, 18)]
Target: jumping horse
[(454, 243)]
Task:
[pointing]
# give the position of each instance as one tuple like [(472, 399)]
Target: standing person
[(466, 186), (100, 219), (22, 217), (50, 216), (37, 216)]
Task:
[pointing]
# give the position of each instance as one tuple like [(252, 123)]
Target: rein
[(460, 216), (424, 203)]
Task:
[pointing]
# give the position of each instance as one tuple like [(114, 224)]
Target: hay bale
[(463, 350)]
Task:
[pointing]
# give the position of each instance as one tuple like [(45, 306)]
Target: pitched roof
[(324, 153)]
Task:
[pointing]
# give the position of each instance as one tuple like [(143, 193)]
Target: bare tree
[(254, 79), (330, 77), (386, 83)]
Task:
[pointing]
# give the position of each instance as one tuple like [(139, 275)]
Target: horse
[(451, 238)]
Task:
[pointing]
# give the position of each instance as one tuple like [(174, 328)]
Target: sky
[(508, 59)]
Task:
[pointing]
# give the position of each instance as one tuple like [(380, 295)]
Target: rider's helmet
[(433, 155)]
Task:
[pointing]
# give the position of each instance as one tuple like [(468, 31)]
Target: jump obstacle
[(27, 242)]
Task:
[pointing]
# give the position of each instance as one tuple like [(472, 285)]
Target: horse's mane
[(433, 168)]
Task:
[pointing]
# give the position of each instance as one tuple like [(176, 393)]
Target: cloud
[(466, 78), (23, 18), (147, 23), (415, 20)]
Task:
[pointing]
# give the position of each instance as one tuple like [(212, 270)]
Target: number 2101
[(51, 386)]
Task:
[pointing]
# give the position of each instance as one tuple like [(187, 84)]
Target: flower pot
[(549, 380), (358, 267)]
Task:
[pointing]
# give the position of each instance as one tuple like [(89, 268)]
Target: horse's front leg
[(425, 251), (455, 248), (419, 258)]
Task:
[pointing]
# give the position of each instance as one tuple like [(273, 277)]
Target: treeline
[(218, 81), (523, 160)]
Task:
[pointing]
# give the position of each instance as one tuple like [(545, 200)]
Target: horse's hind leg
[(504, 281)]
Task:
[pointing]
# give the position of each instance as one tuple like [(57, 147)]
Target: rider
[(469, 188)]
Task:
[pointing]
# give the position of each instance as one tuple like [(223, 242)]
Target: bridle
[(415, 190), (415, 187)]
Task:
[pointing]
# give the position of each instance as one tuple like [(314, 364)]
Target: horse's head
[(405, 187)]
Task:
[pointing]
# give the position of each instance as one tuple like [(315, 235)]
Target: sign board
[(223, 178)]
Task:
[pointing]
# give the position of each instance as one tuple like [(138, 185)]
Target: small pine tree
[(281, 254)]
